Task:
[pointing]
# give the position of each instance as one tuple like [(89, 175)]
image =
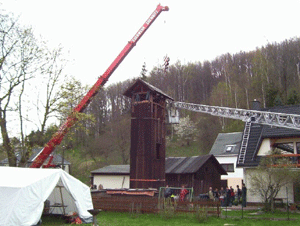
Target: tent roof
[(18, 177), (24, 191)]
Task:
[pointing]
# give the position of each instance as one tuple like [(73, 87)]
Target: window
[(228, 167), (284, 148), (229, 148), (157, 151), (298, 147)]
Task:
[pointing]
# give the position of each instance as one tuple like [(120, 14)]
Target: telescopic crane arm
[(291, 121), (70, 121)]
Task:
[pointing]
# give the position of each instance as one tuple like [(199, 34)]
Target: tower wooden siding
[(147, 151)]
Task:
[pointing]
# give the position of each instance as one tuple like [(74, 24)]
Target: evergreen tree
[(293, 97), (278, 101), (143, 72)]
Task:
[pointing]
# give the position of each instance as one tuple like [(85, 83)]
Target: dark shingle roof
[(182, 165), (225, 139), (113, 169), (174, 165), (259, 132), (57, 159), (151, 87)]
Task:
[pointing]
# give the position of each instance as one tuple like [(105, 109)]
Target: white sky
[(95, 31)]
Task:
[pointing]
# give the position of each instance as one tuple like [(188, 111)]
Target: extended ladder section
[(290, 121), (59, 135), (241, 158)]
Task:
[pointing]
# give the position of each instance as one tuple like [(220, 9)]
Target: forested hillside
[(269, 74)]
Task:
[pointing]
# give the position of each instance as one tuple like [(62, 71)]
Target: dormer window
[(229, 148)]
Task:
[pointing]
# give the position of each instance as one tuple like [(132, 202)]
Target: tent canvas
[(23, 192)]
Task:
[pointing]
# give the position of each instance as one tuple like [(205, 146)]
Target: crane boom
[(291, 121), (70, 121)]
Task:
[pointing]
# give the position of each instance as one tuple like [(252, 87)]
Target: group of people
[(169, 192), (228, 196)]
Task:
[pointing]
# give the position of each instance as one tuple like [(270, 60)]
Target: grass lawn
[(233, 218)]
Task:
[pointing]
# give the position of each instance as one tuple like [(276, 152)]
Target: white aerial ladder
[(290, 121)]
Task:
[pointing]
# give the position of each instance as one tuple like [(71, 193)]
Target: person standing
[(238, 193), (228, 197), (244, 195), (183, 193), (211, 194), (216, 194), (168, 192), (231, 195), (222, 196)]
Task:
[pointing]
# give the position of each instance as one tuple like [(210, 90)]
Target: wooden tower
[(148, 144)]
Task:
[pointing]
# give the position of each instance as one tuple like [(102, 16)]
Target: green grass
[(174, 149), (233, 218)]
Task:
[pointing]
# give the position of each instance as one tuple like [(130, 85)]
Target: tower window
[(158, 151)]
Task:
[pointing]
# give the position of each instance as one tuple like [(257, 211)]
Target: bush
[(235, 202), (167, 211), (201, 214)]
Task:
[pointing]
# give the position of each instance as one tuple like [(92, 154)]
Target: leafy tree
[(186, 130), (293, 97), (208, 128), (271, 95), (278, 101), (37, 139), (70, 94)]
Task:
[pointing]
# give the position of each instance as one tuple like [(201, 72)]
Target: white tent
[(23, 192)]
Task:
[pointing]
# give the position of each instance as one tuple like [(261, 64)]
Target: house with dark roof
[(259, 140), (226, 149), (199, 172), (57, 160), (112, 176)]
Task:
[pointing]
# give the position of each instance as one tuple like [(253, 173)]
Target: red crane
[(70, 121)]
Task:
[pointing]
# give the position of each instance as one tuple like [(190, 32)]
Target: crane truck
[(71, 119)]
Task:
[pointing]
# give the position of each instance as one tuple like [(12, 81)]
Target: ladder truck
[(71, 119), (290, 121)]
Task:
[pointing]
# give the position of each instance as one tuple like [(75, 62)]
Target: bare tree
[(19, 60), (53, 71), (270, 177)]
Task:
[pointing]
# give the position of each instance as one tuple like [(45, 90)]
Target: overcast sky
[(95, 31)]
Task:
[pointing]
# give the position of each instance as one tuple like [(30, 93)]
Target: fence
[(152, 205)]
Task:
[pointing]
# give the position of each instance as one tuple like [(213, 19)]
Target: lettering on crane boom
[(153, 15)]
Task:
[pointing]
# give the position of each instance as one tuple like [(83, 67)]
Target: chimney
[(256, 105)]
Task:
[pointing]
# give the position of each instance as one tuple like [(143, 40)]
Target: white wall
[(265, 147), (233, 178), (112, 181)]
